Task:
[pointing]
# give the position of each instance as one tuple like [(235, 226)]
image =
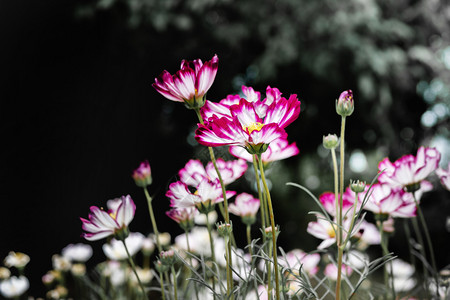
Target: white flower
[(14, 286), (77, 252), (200, 219), (16, 259), (61, 263), (115, 250)]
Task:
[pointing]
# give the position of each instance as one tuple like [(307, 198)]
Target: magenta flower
[(245, 206), (277, 150), (208, 193), (183, 216), (344, 105), (444, 175), (328, 201), (387, 201), (246, 128), (102, 224), (143, 174), (194, 172), (190, 84), (408, 171)]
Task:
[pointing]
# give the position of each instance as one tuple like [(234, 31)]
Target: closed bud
[(224, 229), (160, 267), (143, 175), (331, 141), (357, 186), (168, 257), (344, 105)]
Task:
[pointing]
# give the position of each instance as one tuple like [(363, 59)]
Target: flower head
[(190, 83), (331, 271), (115, 250), (344, 105), (383, 200), (444, 175), (77, 252), (408, 171), (14, 286), (102, 224), (330, 141), (245, 206), (183, 216), (297, 258), (16, 259), (143, 174)]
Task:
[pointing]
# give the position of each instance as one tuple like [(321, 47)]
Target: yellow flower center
[(253, 126), (113, 215), (331, 231)]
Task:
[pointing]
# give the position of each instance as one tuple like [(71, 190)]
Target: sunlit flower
[(102, 224), (408, 171), (77, 252), (246, 128), (143, 174), (245, 206), (383, 200), (16, 259), (14, 286), (277, 150), (115, 249), (331, 271), (344, 105), (324, 230), (183, 216), (444, 175), (297, 258), (190, 83), (194, 172), (208, 193)]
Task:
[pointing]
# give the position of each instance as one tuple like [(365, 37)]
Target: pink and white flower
[(297, 258), (245, 206), (277, 150), (194, 172), (444, 176), (331, 271), (409, 170), (324, 230), (328, 201), (143, 174), (247, 129), (384, 200), (345, 105), (102, 224), (183, 216), (208, 193), (190, 83)]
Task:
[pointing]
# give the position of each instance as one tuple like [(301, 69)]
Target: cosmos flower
[(324, 230), (190, 83), (16, 259), (385, 200), (14, 286), (102, 224), (277, 150), (194, 172), (409, 170), (444, 176), (115, 249), (245, 206), (345, 105), (247, 129), (183, 216), (328, 201), (77, 252), (331, 271), (297, 258), (143, 174)]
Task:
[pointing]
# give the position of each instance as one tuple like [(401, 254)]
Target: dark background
[(78, 113)]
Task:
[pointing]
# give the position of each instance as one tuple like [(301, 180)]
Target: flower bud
[(344, 105), (168, 257), (331, 141), (224, 229), (357, 186), (143, 175), (268, 232), (160, 267)]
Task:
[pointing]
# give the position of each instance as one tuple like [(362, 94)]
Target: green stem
[(227, 216), (133, 267), (152, 218), (261, 200), (174, 276), (192, 263), (339, 212), (421, 249), (272, 223), (213, 255), (430, 244), (384, 246), (249, 241), (161, 280)]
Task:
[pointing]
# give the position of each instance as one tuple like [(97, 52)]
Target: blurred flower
[(145, 275), (183, 216), (16, 259), (77, 252), (163, 237), (331, 271), (143, 174), (207, 195), (444, 175), (408, 171), (246, 128), (277, 150), (59, 292), (245, 206), (114, 271), (14, 286), (322, 229), (201, 219), (368, 234), (148, 246), (49, 277), (190, 84), (61, 263), (78, 269), (402, 273), (194, 172), (115, 249), (344, 105), (199, 242), (356, 259), (4, 273), (114, 222), (298, 259), (168, 257)]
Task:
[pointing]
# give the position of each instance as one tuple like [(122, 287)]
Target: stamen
[(253, 126)]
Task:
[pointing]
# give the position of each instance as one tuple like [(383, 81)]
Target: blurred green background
[(78, 112)]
